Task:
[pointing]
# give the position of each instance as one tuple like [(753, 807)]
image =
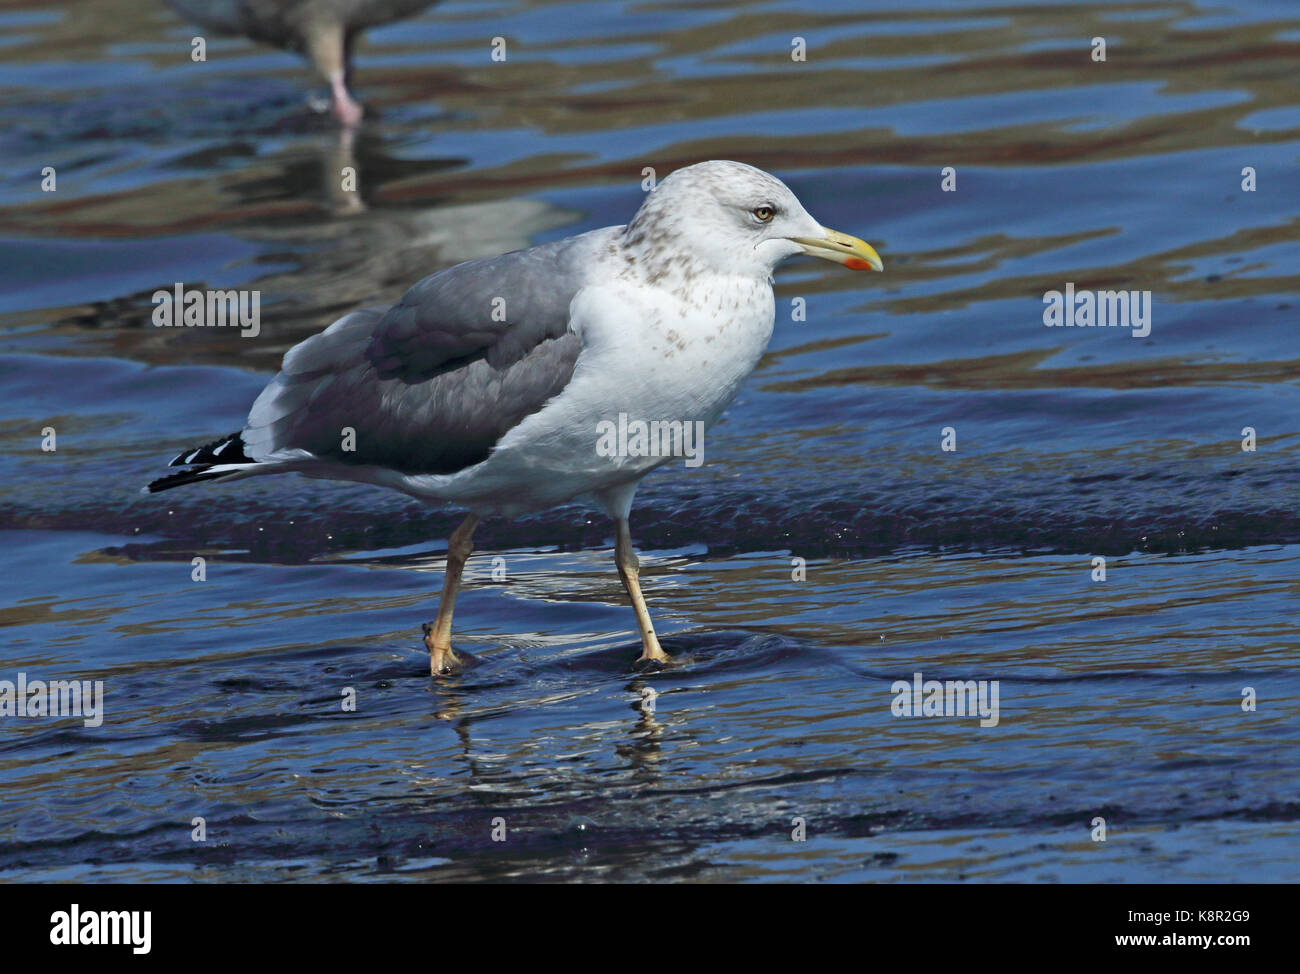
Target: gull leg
[(327, 46), (629, 569), (346, 109), (437, 634)]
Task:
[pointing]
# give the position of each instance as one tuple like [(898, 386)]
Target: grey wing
[(433, 383)]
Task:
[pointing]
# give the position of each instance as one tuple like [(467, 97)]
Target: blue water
[(1119, 699)]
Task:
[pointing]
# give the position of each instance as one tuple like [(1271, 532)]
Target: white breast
[(650, 354), (660, 355)]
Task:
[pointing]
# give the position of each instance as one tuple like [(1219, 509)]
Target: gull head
[(728, 218)]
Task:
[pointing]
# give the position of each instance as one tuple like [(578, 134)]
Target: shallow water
[(1119, 699)]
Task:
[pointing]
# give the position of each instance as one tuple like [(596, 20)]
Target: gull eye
[(763, 213)]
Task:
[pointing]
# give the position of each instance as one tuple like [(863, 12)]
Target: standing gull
[(486, 386), (323, 31)]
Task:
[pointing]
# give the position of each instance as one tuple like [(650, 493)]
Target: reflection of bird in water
[(346, 263), (488, 384), (321, 30), (647, 701), (368, 258), (340, 177)]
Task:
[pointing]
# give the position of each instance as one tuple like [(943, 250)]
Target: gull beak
[(843, 249)]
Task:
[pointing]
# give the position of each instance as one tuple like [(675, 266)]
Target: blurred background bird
[(323, 31)]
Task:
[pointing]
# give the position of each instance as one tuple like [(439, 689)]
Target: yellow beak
[(843, 249)]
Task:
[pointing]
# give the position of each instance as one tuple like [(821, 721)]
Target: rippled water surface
[(1118, 699)]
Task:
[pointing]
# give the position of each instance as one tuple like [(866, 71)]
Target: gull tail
[(221, 459)]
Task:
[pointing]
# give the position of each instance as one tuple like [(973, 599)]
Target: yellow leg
[(437, 634), (629, 569)]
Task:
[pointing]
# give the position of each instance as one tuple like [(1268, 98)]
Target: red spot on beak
[(857, 264)]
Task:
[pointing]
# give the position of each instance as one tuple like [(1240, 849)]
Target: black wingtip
[(224, 452), (185, 477), (226, 449)]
